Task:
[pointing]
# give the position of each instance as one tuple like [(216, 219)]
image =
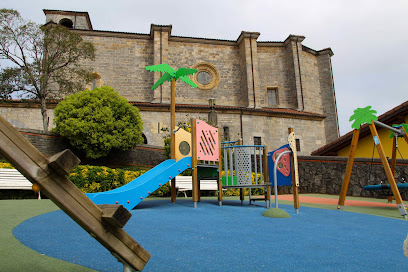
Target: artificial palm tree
[(363, 115), (171, 75)]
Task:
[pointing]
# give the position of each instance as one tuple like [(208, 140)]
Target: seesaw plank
[(35, 167)]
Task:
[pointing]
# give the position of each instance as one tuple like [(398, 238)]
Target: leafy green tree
[(363, 115), (99, 121), (44, 60)]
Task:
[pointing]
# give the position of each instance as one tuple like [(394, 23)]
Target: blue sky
[(368, 38)]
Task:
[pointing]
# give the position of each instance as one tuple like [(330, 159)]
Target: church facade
[(259, 88)]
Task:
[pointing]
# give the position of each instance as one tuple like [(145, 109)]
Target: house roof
[(393, 116)]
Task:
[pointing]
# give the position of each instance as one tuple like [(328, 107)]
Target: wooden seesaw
[(103, 222)]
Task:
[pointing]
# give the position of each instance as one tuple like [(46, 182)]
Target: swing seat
[(384, 187)]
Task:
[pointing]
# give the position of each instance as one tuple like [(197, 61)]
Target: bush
[(98, 121), (92, 179)]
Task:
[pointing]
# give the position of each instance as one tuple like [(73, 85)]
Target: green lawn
[(14, 255)]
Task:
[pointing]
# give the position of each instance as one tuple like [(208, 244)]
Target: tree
[(171, 75), (45, 60), (99, 121), (363, 115)]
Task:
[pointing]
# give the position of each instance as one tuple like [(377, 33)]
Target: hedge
[(92, 179)]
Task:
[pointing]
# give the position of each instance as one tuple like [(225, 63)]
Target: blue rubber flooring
[(231, 238)]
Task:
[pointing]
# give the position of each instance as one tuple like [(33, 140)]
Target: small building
[(366, 147)]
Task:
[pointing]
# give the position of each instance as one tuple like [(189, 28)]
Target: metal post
[(275, 176)]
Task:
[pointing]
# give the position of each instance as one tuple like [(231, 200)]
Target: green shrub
[(99, 121), (92, 179)]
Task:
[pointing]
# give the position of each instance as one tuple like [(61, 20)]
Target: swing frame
[(390, 172)]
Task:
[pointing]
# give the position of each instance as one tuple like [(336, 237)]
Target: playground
[(205, 234), (213, 238)]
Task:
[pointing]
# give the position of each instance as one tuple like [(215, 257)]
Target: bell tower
[(70, 19)]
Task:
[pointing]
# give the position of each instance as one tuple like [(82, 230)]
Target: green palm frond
[(164, 68), (363, 115), (398, 127), (185, 72), (164, 77), (185, 79)]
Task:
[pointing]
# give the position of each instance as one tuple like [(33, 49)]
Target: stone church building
[(259, 88)]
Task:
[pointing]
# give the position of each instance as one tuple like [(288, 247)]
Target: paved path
[(334, 201)]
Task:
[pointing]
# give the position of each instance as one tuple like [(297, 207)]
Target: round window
[(184, 148), (204, 78), (207, 76)]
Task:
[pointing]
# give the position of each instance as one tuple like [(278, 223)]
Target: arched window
[(144, 138), (96, 81), (66, 22)]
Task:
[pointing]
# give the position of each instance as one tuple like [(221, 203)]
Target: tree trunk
[(44, 114)]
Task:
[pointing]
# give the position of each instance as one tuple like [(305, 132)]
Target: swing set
[(385, 189), (365, 115)]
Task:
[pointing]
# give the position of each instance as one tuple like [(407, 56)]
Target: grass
[(14, 255)]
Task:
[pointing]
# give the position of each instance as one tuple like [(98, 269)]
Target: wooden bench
[(185, 183), (11, 179)]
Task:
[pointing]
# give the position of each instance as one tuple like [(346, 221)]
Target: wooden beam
[(266, 176), (405, 135), (194, 161), (35, 167), (219, 169), (295, 186), (64, 161), (115, 215), (349, 168), (387, 169), (172, 136)]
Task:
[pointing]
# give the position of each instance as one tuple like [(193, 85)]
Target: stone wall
[(225, 59), (26, 117), (324, 175), (49, 144), (120, 62)]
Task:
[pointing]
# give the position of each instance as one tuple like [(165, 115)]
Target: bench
[(185, 183), (11, 179)]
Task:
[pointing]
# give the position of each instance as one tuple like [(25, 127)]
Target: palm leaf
[(164, 68), (398, 127), (363, 115), (184, 72), (185, 79), (164, 77)]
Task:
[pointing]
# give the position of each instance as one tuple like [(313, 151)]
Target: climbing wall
[(243, 167), (207, 142)]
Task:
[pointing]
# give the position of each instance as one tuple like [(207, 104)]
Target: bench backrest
[(12, 179)]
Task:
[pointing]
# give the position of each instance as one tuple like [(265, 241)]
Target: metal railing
[(241, 162)]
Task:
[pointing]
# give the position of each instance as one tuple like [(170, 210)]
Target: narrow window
[(226, 134), (94, 84), (273, 98), (297, 145), (257, 141)]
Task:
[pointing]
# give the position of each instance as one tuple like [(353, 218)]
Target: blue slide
[(134, 192)]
